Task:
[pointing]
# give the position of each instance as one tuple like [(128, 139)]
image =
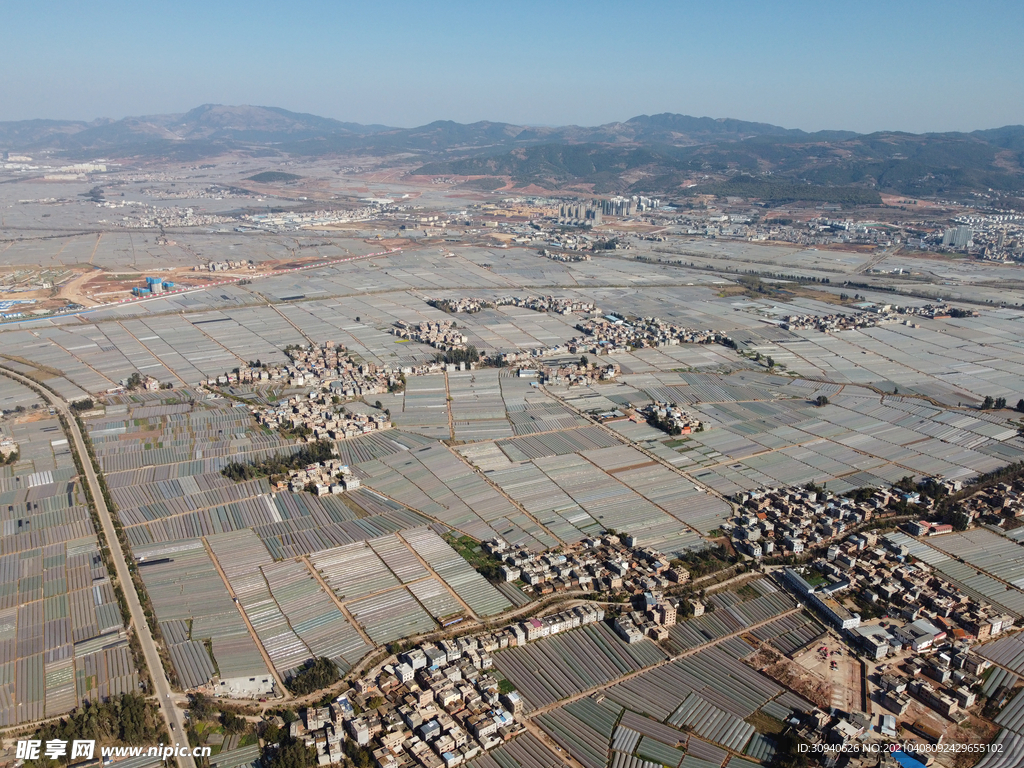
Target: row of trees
[(279, 464), (998, 403), (469, 354)]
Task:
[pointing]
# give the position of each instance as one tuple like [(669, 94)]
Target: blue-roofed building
[(906, 760)]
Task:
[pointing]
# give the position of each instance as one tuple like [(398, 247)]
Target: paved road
[(172, 716)]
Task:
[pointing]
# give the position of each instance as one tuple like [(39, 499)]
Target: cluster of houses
[(437, 705), (929, 627), (248, 375), (830, 323), (329, 366), (570, 243), (669, 417), (557, 304), (877, 314), (881, 574), (950, 673), (326, 365), (505, 359), (318, 417), (442, 334), (146, 216), (224, 266), (924, 641), (323, 478), (651, 617), (605, 564), (613, 334), (777, 520), (572, 374), (995, 505)]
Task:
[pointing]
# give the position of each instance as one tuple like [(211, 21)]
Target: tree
[(312, 453), (271, 732), (294, 754), (200, 707), (316, 674), (821, 400), (987, 403), (584, 361), (379, 405), (1020, 405), (232, 723), (770, 362), (960, 520), (135, 380), (469, 354), (788, 753), (85, 404), (1000, 403)]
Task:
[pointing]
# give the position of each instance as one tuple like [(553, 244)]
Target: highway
[(172, 716)]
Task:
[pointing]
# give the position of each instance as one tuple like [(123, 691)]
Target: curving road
[(172, 716)]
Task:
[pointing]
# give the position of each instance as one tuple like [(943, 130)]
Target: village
[(671, 418), (326, 365), (873, 315), (443, 334), (612, 333), (572, 374), (435, 705), (915, 629), (441, 703), (321, 478), (610, 563), (317, 416), (556, 304)]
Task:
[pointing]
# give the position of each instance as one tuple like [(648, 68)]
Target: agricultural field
[(63, 640), (631, 705)]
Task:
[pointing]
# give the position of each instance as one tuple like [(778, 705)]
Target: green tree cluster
[(125, 719), (314, 453), (319, 673), (455, 356), (293, 753)]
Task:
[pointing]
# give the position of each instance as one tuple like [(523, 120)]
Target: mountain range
[(663, 154)]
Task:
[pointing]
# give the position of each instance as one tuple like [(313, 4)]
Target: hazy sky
[(864, 66)]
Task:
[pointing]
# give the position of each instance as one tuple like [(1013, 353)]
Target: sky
[(862, 66)]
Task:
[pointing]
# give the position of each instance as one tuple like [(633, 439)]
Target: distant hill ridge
[(653, 153)]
